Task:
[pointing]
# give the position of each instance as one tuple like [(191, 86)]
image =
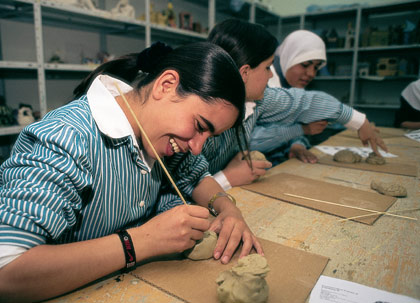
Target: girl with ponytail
[(79, 194)]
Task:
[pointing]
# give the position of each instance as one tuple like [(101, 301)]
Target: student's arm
[(299, 149), (40, 201), (194, 181), (266, 138), (297, 105), (239, 172), (45, 271), (229, 224), (410, 125)]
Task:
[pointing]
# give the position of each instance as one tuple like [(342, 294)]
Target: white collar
[(107, 113), (412, 94), (249, 108)]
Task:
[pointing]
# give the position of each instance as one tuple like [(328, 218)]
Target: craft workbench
[(384, 255)]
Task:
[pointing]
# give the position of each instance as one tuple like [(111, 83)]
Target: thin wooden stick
[(384, 213), (375, 212), (150, 143)]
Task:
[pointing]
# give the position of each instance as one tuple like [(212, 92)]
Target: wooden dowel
[(150, 143), (375, 212), (384, 213)]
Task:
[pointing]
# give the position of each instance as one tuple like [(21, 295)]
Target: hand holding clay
[(204, 248)]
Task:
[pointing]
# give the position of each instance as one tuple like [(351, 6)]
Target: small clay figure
[(204, 248), (389, 189), (25, 114), (245, 282), (79, 3), (375, 159), (123, 9), (347, 156)]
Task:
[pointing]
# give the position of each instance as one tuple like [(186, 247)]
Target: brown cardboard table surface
[(385, 255)]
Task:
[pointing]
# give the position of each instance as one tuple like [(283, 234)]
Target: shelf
[(340, 50), (172, 35), (385, 78), (389, 47), (378, 106), (56, 14), (10, 130), (333, 78), (18, 65), (70, 67)]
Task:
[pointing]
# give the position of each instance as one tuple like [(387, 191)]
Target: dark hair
[(204, 68), (246, 43)]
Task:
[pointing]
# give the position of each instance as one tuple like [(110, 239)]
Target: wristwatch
[(218, 195)]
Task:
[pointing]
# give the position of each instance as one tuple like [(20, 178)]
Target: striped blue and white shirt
[(285, 106), (80, 174), (267, 136)]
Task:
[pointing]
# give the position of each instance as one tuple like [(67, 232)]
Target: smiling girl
[(79, 193)]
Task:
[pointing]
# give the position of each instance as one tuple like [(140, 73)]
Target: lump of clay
[(245, 282), (347, 156), (375, 159), (389, 189), (204, 248), (256, 155)]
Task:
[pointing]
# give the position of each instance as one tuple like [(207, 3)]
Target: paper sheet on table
[(332, 290), (362, 151), (414, 135)]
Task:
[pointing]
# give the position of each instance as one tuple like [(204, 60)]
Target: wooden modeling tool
[(150, 143), (384, 213), (373, 212)]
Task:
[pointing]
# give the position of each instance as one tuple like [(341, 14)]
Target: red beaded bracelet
[(129, 252)]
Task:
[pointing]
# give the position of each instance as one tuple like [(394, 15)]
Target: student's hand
[(232, 229), (314, 128), (238, 172), (300, 152), (172, 231), (368, 134)]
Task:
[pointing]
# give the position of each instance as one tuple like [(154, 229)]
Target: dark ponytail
[(246, 43), (204, 69)]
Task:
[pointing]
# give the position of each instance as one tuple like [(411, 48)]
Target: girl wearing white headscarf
[(298, 59), (296, 62), (408, 115)]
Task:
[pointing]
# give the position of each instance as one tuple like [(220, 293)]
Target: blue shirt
[(269, 135), (80, 174), (278, 105)]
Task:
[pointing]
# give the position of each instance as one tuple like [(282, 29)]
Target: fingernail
[(225, 259), (217, 255)]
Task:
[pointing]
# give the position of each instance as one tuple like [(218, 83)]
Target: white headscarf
[(412, 94), (300, 46)]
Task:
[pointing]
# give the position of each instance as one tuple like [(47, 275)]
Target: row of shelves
[(372, 52), (31, 31), (44, 44)]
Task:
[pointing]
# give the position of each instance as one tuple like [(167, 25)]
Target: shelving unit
[(31, 31), (374, 94)]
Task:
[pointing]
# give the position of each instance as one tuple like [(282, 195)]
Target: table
[(385, 255)]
